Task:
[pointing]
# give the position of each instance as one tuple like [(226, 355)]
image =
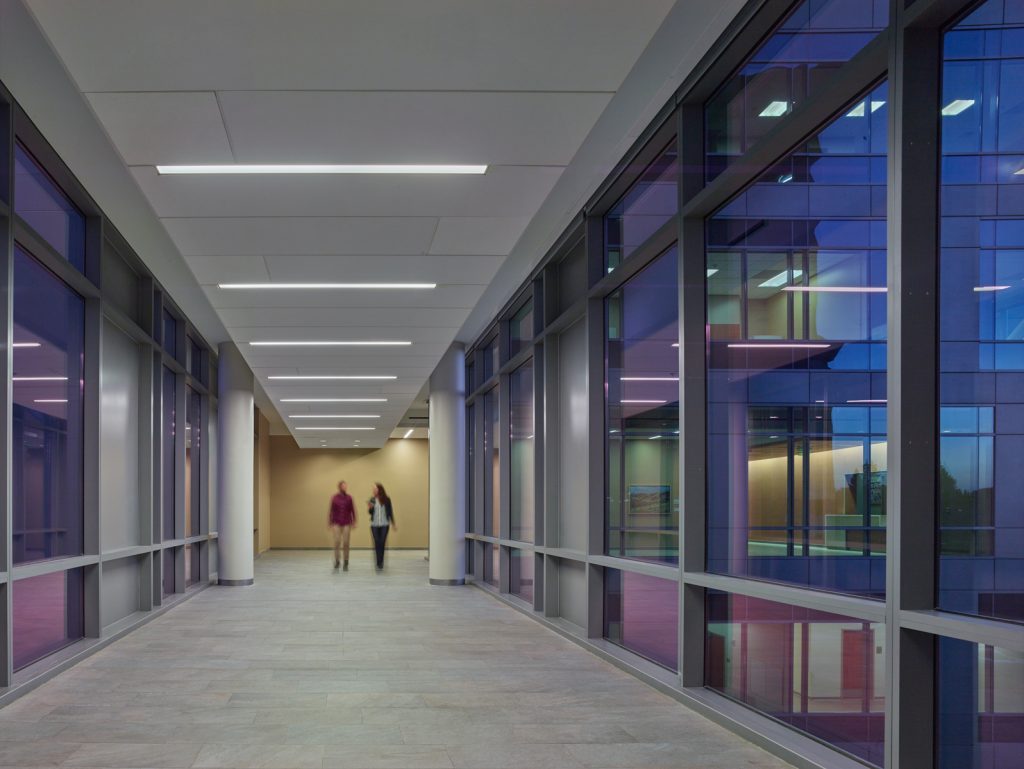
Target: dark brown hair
[(382, 495)]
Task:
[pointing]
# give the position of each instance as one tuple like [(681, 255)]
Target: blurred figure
[(341, 520), (382, 518)]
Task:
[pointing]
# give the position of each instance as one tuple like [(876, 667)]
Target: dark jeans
[(380, 536)]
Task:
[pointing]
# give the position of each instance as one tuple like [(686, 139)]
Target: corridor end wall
[(303, 480)]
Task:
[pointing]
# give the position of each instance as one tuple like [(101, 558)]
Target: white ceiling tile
[(442, 296), (239, 268), (495, 128), (297, 235), (448, 319), (196, 45), (483, 235), (150, 128)]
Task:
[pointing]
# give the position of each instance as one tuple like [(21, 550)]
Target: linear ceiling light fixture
[(334, 400), (649, 379), (408, 433), (26, 344), (775, 109), (782, 346), (957, 106), (323, 168), (329, 343), (781, 279), (319, 286), (50, 400), (837, 289), (977, 289), (334, 416), (331, 377), (39, 378), (322, 427)]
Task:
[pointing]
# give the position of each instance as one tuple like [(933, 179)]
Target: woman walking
[(382, 518), (341, 519)]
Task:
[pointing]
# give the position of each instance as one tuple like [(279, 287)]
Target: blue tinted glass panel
[(796, 312), (47, 449), (170, 333), (521, 443), (795, 63), (45, 207), (48, 614), (980, 706), (641, 614), (642, 385), (650, 202), (823, 674), (981, 315)]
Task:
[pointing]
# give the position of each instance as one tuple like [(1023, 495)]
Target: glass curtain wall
[(521, 444), (738, 354)]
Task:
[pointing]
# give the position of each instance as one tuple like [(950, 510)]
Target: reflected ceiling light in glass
[(781, 345), (50, 400), (980, 289), (334, 416), (775, 109), (322, 427), (322, 168), (26, 344), (838, 289), (39, 378), (957, 106), (641, 401), (334, 400), (649, 379), (318, 286), (711, 271)]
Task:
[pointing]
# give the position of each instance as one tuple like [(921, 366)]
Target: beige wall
[(261, 480), (302, 482)]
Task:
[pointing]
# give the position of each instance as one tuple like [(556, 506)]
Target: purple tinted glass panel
[(980, 706), (193, 461), (641, 614), (521, 441), (48, 614), (642, 385), (796, 310), (47, 450), (795, 63), (168, 571), (492, 570), (492, 465), (195, 360), (823, 674), (981, 315), (520, 574), (167, 459), (520, 329), (471, 454), (45, 207), (650, 202)]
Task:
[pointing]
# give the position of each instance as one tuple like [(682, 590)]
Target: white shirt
[(380, 514)]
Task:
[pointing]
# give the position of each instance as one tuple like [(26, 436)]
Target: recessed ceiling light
[(346, 343), (781, 279), (775, 109), (39, 378), (26, 344), (315, 286), (408, 432), (838, 289), (712, 271), (335, 428), (957, 106), (323, 168), (332, 377), (334, 400), (334, 416)]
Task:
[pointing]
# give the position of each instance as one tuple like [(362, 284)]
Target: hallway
[(354, 670)]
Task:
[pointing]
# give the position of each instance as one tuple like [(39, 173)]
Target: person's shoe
[(346, 566), (337, 564)]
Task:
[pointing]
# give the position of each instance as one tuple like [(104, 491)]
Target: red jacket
[(343, 512)]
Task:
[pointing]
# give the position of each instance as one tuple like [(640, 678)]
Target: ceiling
[(519, 86)]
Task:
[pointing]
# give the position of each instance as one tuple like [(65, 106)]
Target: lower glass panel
[(48, 614), (980, 706), (641, 614), (520, 576), (168, 572), (820, 673), (492, 569)]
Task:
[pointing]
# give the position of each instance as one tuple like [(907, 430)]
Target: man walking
[(341, 520)]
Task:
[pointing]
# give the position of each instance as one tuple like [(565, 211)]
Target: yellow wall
[(262, 483), (302, 482)]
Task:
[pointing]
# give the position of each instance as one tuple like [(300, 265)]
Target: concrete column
[(448, 469), (235, 504)]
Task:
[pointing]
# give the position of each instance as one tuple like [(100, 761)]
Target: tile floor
[(357, 670)]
